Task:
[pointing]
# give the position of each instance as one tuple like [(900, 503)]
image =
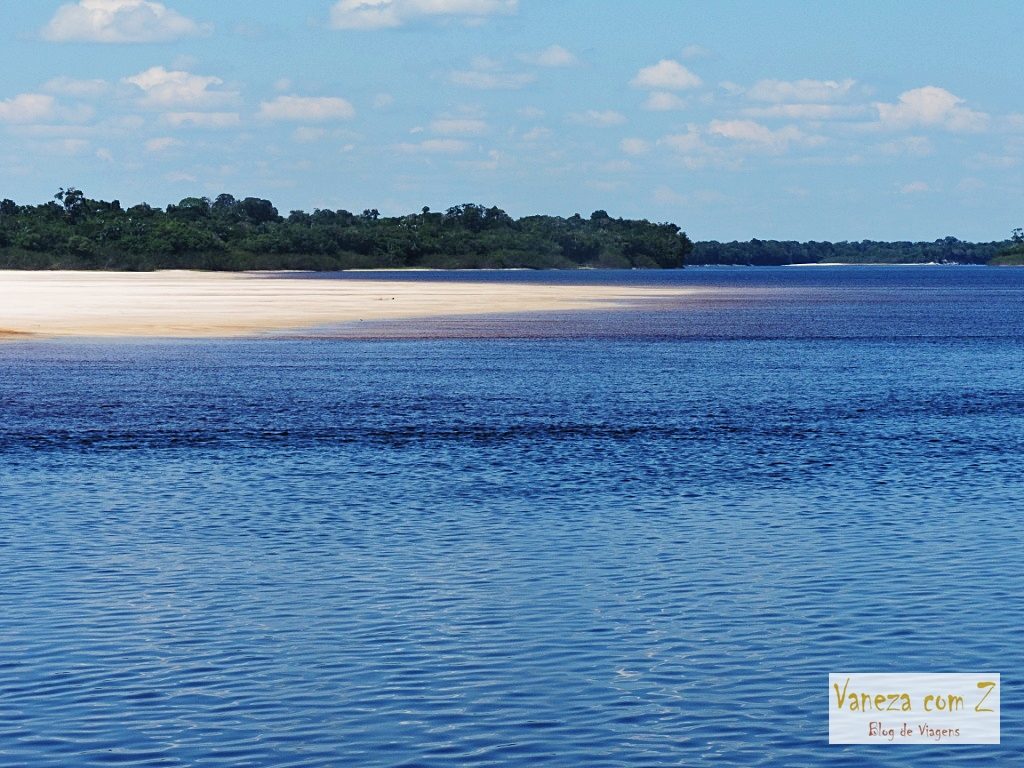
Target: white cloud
[(931, 106), (692, 151), (724, 143), (365, 14), (73, 122), (458, 127), (685, 143), (494, 159), (807, 111), (600, 118), (175, 88), (162, 144), (914, 187), (31, 109), (552, 56), (383, 100), (666, 75), (779, 91), (486, 74), (203, 119), (436, 146), (68, 86), (987, 160), (309, 109), (119, 21), (634, 146), (663, 101), (754, 134), (385, 14), (28, 108)]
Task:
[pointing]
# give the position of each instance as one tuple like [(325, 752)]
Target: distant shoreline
[(848, 264), (884, 264)]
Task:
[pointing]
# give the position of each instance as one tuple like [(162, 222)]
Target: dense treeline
[(949, 250), (1013, 255), (74, 232)]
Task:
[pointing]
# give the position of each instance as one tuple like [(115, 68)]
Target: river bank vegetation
[(948, 250), (1013, 256), (226, 233)]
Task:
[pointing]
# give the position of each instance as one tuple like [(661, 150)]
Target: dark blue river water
[(638, 538)]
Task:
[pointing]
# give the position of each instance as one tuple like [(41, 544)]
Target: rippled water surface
[(637, 538)]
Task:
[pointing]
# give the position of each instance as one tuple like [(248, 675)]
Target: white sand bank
[(203, 304)]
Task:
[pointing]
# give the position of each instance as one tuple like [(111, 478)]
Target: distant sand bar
[(207, 304)]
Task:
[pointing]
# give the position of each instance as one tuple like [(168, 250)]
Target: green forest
[(948, 250), (1014, 254), (73, 231)]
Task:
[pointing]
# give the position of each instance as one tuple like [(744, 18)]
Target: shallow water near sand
[(603, 539)]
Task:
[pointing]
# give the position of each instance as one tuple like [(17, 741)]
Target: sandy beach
[(202, 304)]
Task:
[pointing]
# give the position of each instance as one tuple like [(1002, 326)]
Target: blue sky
[(791, 120)]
